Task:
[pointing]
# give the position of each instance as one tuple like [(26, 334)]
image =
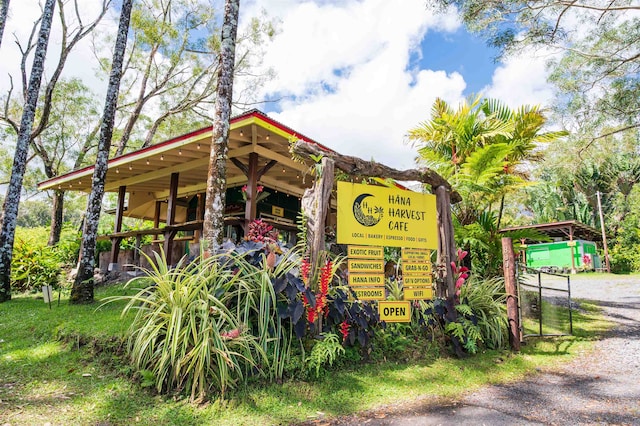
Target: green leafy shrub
[(486, 300), (325, 351), (34, 264)]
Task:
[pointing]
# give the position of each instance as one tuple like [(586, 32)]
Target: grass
[(66, 366)]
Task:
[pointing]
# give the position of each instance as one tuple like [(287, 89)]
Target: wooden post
[(511, 288), (604, 236), (156, 214), (573, 250), (171, 216), (117, 227), (251, 207), (315, 205), (446, 244), (199, 216)]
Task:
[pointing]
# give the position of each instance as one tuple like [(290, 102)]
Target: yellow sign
[(368, 280), (277, 211), (365, 252), (394, 311), (416, 268), (369, 293), (416, 255), (571, 243), (375, 215), (411, 281), (365, 265), (418, 293)]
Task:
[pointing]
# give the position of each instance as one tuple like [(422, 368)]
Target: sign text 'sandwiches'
[(375, 215), (365, 265)]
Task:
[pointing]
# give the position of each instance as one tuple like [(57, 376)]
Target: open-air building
[(166, 182)]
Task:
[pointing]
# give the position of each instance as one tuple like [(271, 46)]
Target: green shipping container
[(557, 255)]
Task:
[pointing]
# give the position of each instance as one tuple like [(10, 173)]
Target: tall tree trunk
[(213, 226), (12, 199), (4, 9), (57, 209), (82, 291)]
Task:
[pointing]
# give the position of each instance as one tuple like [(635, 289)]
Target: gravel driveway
[(601, 387)]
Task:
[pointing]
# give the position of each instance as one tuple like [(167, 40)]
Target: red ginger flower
[(344, 330), (305, 268), (325, 277)]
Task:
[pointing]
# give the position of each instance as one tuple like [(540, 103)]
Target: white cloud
[(522, 80), (81, 62), (343, 69), (346, 70)]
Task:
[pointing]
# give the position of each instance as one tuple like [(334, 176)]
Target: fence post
[(511, 288)]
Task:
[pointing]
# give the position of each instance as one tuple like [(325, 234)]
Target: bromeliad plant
[(190, 330)]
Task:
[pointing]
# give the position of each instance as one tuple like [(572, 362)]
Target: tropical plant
[(487, 300), (325, 351), (189, 331)]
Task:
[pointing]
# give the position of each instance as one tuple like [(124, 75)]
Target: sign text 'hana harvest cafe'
[(380, 216)]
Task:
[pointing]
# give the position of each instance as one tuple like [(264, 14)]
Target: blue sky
[(354, 75), (461, 52)]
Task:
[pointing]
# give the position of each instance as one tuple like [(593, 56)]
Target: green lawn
[(66, 365)]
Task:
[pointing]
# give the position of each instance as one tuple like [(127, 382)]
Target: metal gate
[(544, 303)]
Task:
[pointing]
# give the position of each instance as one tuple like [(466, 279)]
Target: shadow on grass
[(47, 382)]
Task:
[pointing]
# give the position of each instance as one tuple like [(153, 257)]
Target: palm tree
[(525, 141), (480, 148), (450, 136)]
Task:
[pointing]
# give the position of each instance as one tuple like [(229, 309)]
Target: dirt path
[(598, 388)]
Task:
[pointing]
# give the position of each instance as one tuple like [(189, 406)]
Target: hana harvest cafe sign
[(380, 216)]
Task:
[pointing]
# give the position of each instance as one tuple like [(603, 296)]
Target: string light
[(147, 161), (162, 157), (241, 133), (198, 146), (180, 151), (117, 170), (267, 138), (130, 167)]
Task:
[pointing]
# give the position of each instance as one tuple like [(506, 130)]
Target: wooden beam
[(251, 206), (359, 167), (281, 186), (239, 164), (315, 205), (199, 216), (198, 187), (156, 214), (117, 227), (282, 159), (182, 167), (171, 216), (266, 168)]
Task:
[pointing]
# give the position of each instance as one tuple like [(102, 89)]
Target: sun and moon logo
[(365, 211)]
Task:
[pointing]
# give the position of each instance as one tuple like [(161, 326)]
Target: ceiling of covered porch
[(146, 173)]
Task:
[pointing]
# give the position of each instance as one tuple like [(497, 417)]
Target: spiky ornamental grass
[(189, 330)]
